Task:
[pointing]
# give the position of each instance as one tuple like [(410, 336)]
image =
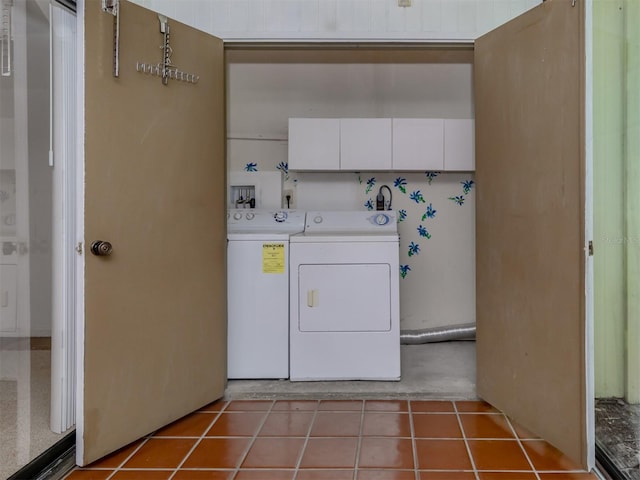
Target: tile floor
[(336, 440)]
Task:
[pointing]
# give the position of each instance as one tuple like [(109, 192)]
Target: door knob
[(101, 249)]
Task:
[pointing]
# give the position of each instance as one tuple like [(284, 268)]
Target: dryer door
[(345, 298)]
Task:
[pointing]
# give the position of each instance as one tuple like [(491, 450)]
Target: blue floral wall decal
[(431, 175), (402, 214), (400, 183), (359, 177), (370, 183), (414, 249), (417, 197), (423, 232), (369, 204), (284, 168), (404, 269), (459, 199), (430, 213), (251, 167), (467, 185)]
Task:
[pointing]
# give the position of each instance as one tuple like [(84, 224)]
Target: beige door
[(155, 309), (531, 329)]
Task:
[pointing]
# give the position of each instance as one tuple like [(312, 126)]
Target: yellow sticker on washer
[(273, 258)]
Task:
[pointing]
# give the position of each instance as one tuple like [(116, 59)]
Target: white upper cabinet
[(418, 144), (459, 145), (314, 144), (365, 144)]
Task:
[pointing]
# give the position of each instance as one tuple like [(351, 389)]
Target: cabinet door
[(314, 144), (365, 144), (418, 144), (459, 145)]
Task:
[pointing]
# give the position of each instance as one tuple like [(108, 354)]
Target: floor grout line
[(359, 446), (244, 455), (414, 448), (466, 443), (198, 441), (306, 441), (513, 430)]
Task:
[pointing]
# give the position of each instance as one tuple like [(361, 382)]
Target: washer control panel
[(239, 220)]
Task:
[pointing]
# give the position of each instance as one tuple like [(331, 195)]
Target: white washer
[(345, 313), (258, 291)]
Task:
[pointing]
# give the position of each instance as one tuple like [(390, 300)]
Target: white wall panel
[(424, 20)]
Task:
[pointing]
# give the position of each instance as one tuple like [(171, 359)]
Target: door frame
[(338, 51)]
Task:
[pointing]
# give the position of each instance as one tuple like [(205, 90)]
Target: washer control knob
[(280, 216), (237, 216), (317, 219), (250, 216)]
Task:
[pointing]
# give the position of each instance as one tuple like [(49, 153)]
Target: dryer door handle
[(312, 298)]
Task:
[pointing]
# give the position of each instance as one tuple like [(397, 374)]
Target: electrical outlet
[(404, 3), (288, 202)]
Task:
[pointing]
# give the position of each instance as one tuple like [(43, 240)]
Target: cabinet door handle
[(312, 298)]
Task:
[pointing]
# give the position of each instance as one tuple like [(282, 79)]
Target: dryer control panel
[(352, 221)]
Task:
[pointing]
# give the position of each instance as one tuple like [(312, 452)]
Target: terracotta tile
[(475, 407), (523, 433), (295, 405), (431, 406), (204, 475), (442, 455), (507, 476), (274, 453), (386, 453), (330, 453), (218, 453), (116, 459), (386, 405), (568, 476), (193, 425), (386, 475), (447, 476), (436, 425), (161, 453), (325, 475), (336, 424), (88, 475), (249, 405), (142, 475), (340, 405), (498, 455), (237, 424), (486, 426), (216, 406), (546, 457), (292, 424), (265, 475), (386, 425)]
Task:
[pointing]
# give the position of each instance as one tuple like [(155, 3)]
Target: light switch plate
[(404, 3)]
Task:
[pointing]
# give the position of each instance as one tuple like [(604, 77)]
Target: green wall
[(616, 111)]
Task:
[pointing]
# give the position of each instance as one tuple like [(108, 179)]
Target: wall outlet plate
[(291, 200), (404, 3)]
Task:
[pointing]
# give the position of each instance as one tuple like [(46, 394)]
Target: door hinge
[(590, 248), (79, 248)]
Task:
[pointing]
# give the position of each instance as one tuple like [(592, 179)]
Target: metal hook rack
[(166, 70)]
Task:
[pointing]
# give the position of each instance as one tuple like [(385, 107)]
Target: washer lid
[(343, 237), (258, 236)]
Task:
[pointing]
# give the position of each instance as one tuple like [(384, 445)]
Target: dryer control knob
[(381, 219), (317, 219), (237, 216)]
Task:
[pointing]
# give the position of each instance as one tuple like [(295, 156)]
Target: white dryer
[(345, 313), (258, 291)]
